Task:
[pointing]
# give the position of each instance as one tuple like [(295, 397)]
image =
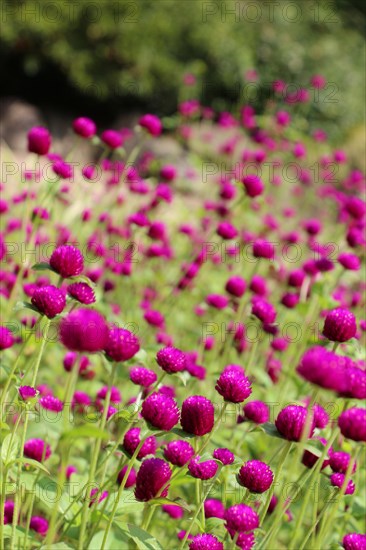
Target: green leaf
[(85, 431), (4, 427), (42, 266), (181, 433), (177, 502), (25, 305), (271, 430), (142, 538), (10, 448), (31, 462)]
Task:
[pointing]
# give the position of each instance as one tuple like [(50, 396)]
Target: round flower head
[(39, 524), (227, 231), (217, 301), (291, 422), (154, 318), (67, 261), (198, 415), (121, 344), (202, 470), (39, 140), (6, 338), (63, 169), (112, 139), (309, 458), (349, 261), (115, 394), (321, 417), (131, 478), (323, 368), (224, 455), (253, 185), (233, 385), (27, 392), (214, 508), (37, 449), (49, 300), (339, 461), (84, 330), (51, 403), (256, 476), (352, 424), (241, 518), (152, 476), (236, 286), (8, 511), (263, 249), (160, 411), (337, 480), (81, 292), (205, 541), (179, 452), (152, 124), (84, 127), (264, 311), (354, 541), (171, 360), (132, 440), (142, 377), (340, 325), (256, 411), (174, 511), (168, 172)]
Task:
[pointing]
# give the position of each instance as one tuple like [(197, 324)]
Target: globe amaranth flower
[(349, 261), (121, 344), (241, 518), (131, 478), (8, 511), (160, 411), (354, 541), (339, 461), (227, 231), (153, 475), (198, 415), (39, 140), (178, 453), (205, 541), (253, 185), (37, 449), (233, 385), (81, 292), (49, 300), (338, 479), (325, 369), (263, 249), (214, 508), (84, 127), (112, 139), (173, 510), (256, 476), (168, 172), (115, 394), (93, 499), (27, 392), (84, 330), (6, 338), (224, 455), (352, 424), (264, 311), (217, 301), (171, 359), (67, 261), (256, 411), (152, 124), (132, 440), (39, 524), (309, 458), (291, 422), (51, 403), (321, 417), (202, 470), (236, 286), (142, 376), (340, 325)]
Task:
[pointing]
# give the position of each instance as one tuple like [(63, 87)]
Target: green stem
[(41, 350), (314, 526), (285, 452)]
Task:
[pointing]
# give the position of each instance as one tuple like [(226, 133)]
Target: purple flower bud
[(8, 511), (27, 392), (263, 249), (256, 476), (121, 344), (224, 455), (339, 461), (142, 377), (171, 360), (233, 385), (67, 261), (63, 169), (205, 541), (253, 185), (49, 300), (39, 524), (340, 325), (245, 541), (6, 338), (152, 124), (179, 452), (39, 140), (309, 458), (153, 474), (291, 422), (84, 330), (227, 231), (352, 424), (132, 440), (37, 449), (256, 411), (51, 403), (198, 415), (217, 301), (81, 292), (202, 470), (349, 261), (111, 138), (174, 511), (214, 509), (241, 518), (115, 394), (236, 286), (264, 311), (354, 541), (160, 411), (337, 480), (84, 127), (131, 478)]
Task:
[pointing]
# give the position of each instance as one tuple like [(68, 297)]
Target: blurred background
[(113, 60)]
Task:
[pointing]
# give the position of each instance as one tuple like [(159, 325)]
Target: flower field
[(183, 335)]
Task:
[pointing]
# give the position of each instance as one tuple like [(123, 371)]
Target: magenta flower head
[(51, 403), (291, 422), (337, 480), (340, 325), (132, 440), (352, 424), (263, 249), (236, 286), (339, 461), (67, 261), (6, 338), (178, 453), (349, 261), (168, 172), (115, 394), (174, 511), (214, 508), (205, 541), (142, 377), (121, 344), (39, 140), (131, 478), (27, 392), (256, 476), (112, 139), (309, 458), (39, 524), (241, 518), (152, 124), (227, 231), (161, 411), (256, 411), (8, 511), (198, 415), (171, 360), (224, 455), (49, 300), (37, 449), (354, 541), (253, 185), (153, 474), (202, 470), (264, 311), (84, 330), (233, 385), (81, 292), (84, 127), (217, 301)]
